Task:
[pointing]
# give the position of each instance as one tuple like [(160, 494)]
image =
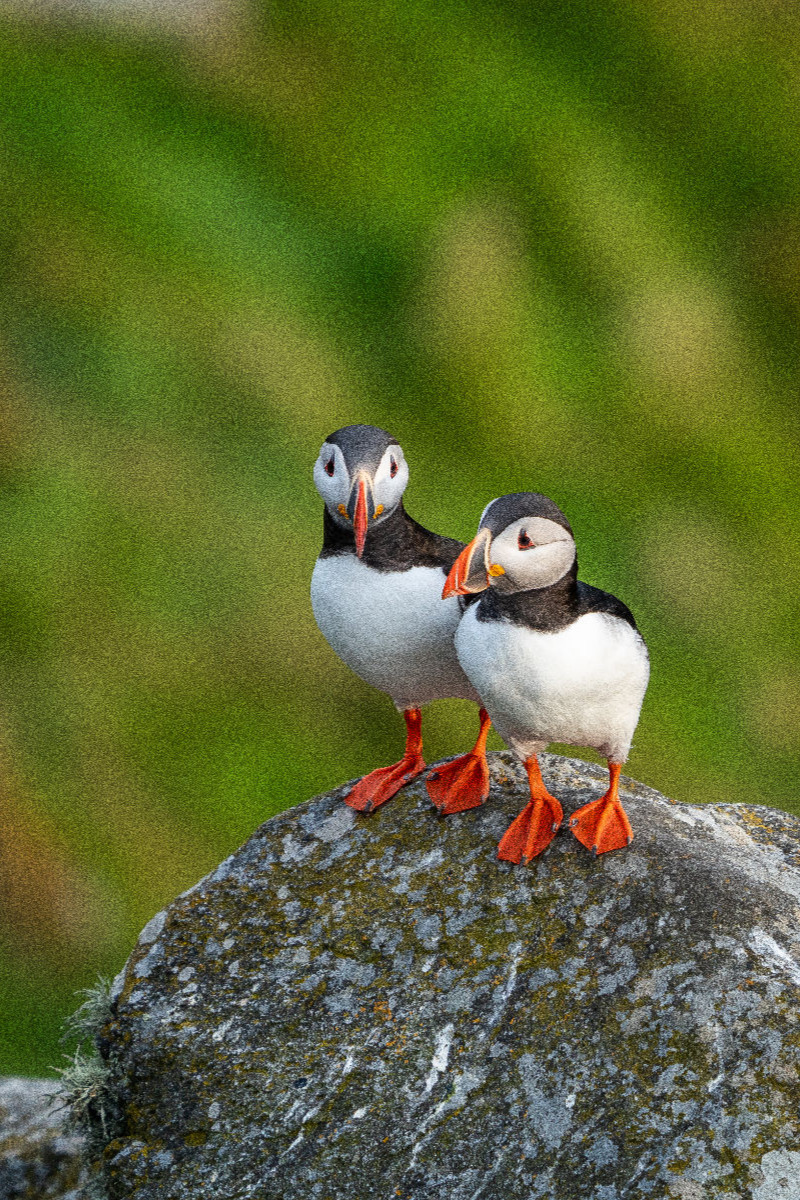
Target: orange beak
[(470, 572), (360, 518)]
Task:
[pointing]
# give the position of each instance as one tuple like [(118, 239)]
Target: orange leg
[(535, 827), (379, 786), (464, 782), (603, 825)]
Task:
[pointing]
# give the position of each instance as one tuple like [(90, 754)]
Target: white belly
[(392, 628), (582, 685)]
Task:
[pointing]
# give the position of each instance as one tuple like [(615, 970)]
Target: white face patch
[(332, 479), (390, 482), (334, 482), (533, 552)]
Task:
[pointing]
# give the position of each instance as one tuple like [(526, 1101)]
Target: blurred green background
[(550, 246)]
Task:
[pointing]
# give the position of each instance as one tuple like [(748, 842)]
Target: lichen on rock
[(352, 1007)]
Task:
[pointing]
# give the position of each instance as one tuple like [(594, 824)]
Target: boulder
[(352, 1008), (39, 1160)]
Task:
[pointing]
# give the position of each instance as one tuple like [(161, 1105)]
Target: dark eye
[(392, 466), (329, 466), (523, 541)]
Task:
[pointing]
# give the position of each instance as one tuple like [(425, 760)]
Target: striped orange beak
[(360, 518), (470, 572)]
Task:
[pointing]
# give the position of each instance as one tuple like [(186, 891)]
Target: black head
[(362, 446), (501, 513), (524, 543)]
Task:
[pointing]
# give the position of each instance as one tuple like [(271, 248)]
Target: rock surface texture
[(38, 1160), (358, 1008)]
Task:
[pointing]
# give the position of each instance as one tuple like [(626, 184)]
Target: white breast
[(582, 685), (392, 628)]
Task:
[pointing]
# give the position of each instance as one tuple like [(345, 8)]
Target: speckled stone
[(356, 1008), (38, 1160)]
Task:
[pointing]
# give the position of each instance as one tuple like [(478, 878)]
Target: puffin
[(553, 660), (376, 593)]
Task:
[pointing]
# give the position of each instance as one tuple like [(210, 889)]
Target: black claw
[(594, 851)]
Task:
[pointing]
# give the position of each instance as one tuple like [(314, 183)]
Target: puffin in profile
[(376, 592), (553, 660)]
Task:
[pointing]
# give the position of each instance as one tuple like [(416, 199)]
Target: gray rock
[(38, 1160), (353, 1008)]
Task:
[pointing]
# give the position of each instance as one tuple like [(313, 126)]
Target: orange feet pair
[(458, 785), (601, 825), (464, 782)]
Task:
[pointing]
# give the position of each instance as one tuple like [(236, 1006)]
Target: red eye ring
[(329, 467), (523, 541), (392, 466)]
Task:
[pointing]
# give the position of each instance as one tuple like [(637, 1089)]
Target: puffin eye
[(523, 541), (392, 466), (329, 467)]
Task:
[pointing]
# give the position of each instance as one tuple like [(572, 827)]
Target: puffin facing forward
[(553, 660), (376, 592)]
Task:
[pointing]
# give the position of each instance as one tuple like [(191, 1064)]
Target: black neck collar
[(545, 609), (397, 543)]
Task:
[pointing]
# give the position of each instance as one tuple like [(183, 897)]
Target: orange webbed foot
[(464, 782), (460, 784), (379, 786), (532, 832), (537, 824), (603, 824)]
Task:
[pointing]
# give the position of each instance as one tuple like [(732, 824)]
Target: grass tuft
[(88, 1086)]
